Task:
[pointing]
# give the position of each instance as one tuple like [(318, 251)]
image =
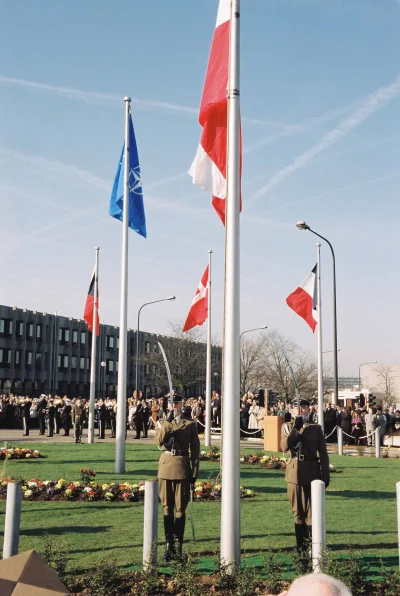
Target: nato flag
[(137, 218)]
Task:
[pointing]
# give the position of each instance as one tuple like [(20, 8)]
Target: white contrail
[(94, 96), (375, 102)]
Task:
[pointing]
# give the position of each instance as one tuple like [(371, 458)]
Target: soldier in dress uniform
[(308, 461), (78, 418), (178, 469), (51, 414)]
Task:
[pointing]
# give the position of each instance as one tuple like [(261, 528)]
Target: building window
[(117, 343), (73, 362), (81, 363), (83, 337), (74, 337), (110, 342), (6, 327), (29, 330), (147, 369), (39, 332), (110, 366), (19, 328), (147, 347), (38, 361), (5, 357), (17, 358), (63, 335), (28, 359), (62, 362)]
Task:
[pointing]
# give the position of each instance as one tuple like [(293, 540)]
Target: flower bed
[(270, 462), (18, 453), (63, 490)]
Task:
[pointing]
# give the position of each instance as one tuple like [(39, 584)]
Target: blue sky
[(320, 95)]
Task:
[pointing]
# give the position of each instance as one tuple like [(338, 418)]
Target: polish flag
[(208, 170), (89, 308), (198, 312), (304, 300)]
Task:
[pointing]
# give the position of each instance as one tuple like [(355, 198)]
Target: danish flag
[(208, 170), (198, 312)]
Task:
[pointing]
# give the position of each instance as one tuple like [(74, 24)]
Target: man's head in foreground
[(317, 584)]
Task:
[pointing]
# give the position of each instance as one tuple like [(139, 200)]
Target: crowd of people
[(53, 415)]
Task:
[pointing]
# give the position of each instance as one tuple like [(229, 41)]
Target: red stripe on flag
[(302, 304)]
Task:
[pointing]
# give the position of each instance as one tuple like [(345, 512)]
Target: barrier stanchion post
[(340, 440), (398, 514), (318, 523), (150, 525), (12, 521), (377, 442)]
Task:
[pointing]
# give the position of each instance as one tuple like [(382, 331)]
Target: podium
[(272, 433)]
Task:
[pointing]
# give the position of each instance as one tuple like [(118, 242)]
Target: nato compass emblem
[(135, 181)]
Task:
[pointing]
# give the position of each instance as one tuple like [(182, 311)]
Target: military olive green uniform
[(177, 468), (309, 461), (78, 418)]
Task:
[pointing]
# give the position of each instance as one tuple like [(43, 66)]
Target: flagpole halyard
[(123, 326), (319, 337), (230, 505), (93, 363), (207, 430)]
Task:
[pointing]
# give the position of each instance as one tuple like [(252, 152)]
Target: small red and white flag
[(198, 312), (208, 170), (89, 308), (304, 300)]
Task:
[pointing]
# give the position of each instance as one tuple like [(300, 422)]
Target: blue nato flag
[(137, 218)]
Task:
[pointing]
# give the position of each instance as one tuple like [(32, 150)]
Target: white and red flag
[(304, 300), (198, 312), (208, 169)]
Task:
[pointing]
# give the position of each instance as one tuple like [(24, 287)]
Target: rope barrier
[(214, 428), (358, 438), (327, 436)]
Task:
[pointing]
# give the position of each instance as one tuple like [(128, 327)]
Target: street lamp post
[(256, 329), (137, 338), (303, 226), (359, 371)]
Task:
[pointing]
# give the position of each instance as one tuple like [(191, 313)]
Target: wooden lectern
[(272, 433)]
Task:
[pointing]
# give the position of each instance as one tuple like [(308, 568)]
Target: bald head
[(318, 584)]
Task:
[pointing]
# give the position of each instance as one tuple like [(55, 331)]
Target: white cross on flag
[(198, 312)]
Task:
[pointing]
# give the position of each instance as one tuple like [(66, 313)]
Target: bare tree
[(186, 354), (250, 363), (386, 386)]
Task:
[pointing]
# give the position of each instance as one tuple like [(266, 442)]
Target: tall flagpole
[(123, 321), (207, 430), (94, 347), (319, 335), (230, 504)]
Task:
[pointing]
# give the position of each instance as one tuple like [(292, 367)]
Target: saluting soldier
[(308, 461), (178, 469)]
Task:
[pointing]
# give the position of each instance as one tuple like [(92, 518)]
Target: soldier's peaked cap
[(304, 402), (175, 398)]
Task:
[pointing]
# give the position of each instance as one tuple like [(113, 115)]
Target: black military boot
[(301, 537), (169, 552), (179, 531)]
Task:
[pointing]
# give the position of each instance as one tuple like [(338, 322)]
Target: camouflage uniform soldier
[(304, 440), (178, 469), (78, 418)]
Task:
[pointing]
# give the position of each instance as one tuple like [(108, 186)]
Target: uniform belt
[(183, 452), (302, 457)]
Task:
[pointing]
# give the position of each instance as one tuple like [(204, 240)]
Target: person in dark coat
[(41, 410), (145, 418), (26, 415), (244, 416), (102, 417), (66, 417), (51, 415), (346, 425), (138, 419), (58, 403), (329, 422)]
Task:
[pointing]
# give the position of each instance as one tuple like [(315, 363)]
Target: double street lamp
[(359, 371), (137, 338), (256, 329), (303, 226)]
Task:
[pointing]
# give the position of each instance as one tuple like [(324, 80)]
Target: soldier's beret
[(304, 402), (175, 398)]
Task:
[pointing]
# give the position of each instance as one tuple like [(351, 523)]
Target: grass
[(361, 507)]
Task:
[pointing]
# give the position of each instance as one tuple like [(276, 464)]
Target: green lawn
[(361, 506)]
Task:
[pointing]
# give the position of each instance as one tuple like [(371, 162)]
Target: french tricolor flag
[(304, 300), (208, 170)]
